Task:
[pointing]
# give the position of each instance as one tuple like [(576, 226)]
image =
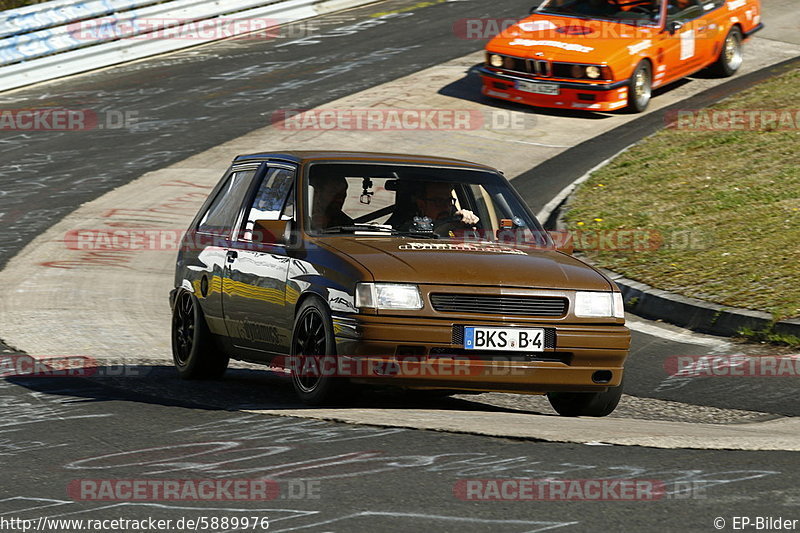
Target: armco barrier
[(59, 12), (40, 51)]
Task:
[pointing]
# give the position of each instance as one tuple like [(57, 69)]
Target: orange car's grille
[(500, 305), (538, 67), (545, 69)]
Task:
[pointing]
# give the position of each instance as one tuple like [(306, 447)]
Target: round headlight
[(576, 71), (593, 72), (496, 60)]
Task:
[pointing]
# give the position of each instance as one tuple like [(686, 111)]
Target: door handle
[(231, 255)]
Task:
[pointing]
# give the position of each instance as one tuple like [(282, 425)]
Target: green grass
[(732, 196), (768, 336)]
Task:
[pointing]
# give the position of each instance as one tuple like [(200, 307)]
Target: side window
[(221, 214), (708, 5), (683, 10), (288, 209), (274, 199)]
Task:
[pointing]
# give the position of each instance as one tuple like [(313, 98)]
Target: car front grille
[(537, 67), (542, 68), (539, 306)]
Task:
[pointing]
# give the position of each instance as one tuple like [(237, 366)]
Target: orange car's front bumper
[(571, 95)]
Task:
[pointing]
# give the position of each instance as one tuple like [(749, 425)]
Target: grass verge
[(723, 205)]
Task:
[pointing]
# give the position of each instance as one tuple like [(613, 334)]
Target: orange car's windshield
[(631, 12)]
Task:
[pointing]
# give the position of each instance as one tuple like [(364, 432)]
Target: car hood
[(571, 39), (447, 262)]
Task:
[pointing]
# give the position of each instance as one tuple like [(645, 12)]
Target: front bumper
[(571, 95), (424, 353)]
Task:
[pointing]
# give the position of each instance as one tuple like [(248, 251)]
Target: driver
[(676, 6), (329, 197), (596, 8), (435, 209)]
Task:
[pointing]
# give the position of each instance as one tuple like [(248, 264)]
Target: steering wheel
[(445, 225), (641, 9)]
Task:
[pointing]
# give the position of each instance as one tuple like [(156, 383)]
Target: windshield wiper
[(380, 228), (420, 234), (352, 228)]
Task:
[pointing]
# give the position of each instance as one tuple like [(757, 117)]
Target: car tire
[(194, 351), (640, 87), (314, 347), (586, 403), (730, 55)]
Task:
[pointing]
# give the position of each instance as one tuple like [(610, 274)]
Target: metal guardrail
[(59, 12), (59, 38)]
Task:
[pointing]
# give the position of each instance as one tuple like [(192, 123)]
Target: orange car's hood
[(571, 39), (450, 262)]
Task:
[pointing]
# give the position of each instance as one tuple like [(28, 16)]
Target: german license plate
[(538, 88), (507, 339)]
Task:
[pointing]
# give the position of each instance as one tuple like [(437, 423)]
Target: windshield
[(414, 201), (636, 11)]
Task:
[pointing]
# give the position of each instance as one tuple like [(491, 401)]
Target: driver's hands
[(467, 217)]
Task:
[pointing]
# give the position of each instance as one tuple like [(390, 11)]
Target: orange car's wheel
[(194, 351), (314, 356), (730, 56), (586, 403), (640, 87)]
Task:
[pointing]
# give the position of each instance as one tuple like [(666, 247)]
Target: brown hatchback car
[(413, 271)]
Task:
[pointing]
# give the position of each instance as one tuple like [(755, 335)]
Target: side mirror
[(563, 241), (272, 231), (674, 26)]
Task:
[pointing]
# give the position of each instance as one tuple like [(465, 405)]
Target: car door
[(205, 246), (713, 29), (682, 42), (254, 284)]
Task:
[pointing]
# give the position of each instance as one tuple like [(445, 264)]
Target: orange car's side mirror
[(674, 26)]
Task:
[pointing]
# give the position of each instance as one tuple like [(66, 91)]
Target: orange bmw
[(604, 55)]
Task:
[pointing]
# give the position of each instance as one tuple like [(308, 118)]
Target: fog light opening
[(602, 376)]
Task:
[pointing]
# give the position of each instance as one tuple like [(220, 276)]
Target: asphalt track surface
[(370, 479)]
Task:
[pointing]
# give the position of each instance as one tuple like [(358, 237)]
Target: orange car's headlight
[(593, 72), (496, 60)]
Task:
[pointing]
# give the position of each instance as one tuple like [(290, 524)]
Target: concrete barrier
[(60, 38)]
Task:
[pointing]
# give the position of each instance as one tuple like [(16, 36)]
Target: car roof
[(302, 156)]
